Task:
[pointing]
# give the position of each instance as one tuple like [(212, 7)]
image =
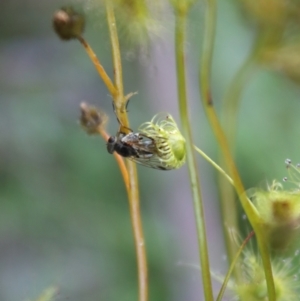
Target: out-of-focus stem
[(205, 90), (229, 120), (215, 165), (106, 79), (133, 192), (180, 32), (232, 265), (233, 96)]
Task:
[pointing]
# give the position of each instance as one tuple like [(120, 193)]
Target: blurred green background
[(64, 217)]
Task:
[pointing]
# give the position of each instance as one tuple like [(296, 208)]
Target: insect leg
[(115, 111), (126, 104)]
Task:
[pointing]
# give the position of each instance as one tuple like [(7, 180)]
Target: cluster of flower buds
[(170, 143), (251, 286), (280, 211)]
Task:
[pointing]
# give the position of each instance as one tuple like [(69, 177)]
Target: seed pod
[(92, 119), (68, 24)]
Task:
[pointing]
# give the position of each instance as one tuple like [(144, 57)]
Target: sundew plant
[(262, 258)]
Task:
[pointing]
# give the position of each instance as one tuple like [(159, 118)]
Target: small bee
[(118, 144), (136, 147), (157, 144)]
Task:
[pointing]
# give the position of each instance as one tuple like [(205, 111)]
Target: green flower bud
[(170, 144), (252, 284), (280, 212)]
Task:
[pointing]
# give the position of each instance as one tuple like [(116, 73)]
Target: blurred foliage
[(63, 210)]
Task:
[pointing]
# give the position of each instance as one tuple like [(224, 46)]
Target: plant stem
[(229, 120), (232, 265), (215, 165), (133, 191), (180, 17), (253, 216), (119, 102), (233, 96), (106, 79)]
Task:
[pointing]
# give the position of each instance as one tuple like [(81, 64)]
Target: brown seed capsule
[(68, 24), (92, 119)]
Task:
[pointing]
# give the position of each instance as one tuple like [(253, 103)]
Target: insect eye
[(111, 139)]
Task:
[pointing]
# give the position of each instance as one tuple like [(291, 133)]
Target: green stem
[(119, 99), (229, 213), (214, 164), (242, 77), (229, 121), (205, 90), (180, 17), (233, 96), (232, 265), (112, 25), (133, 191)]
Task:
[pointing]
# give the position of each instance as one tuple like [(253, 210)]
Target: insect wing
[(147, 153), (144, 145), (152, 162)]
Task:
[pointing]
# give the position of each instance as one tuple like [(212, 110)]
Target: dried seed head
[(92, 119), (68, 24), (169, 142)]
